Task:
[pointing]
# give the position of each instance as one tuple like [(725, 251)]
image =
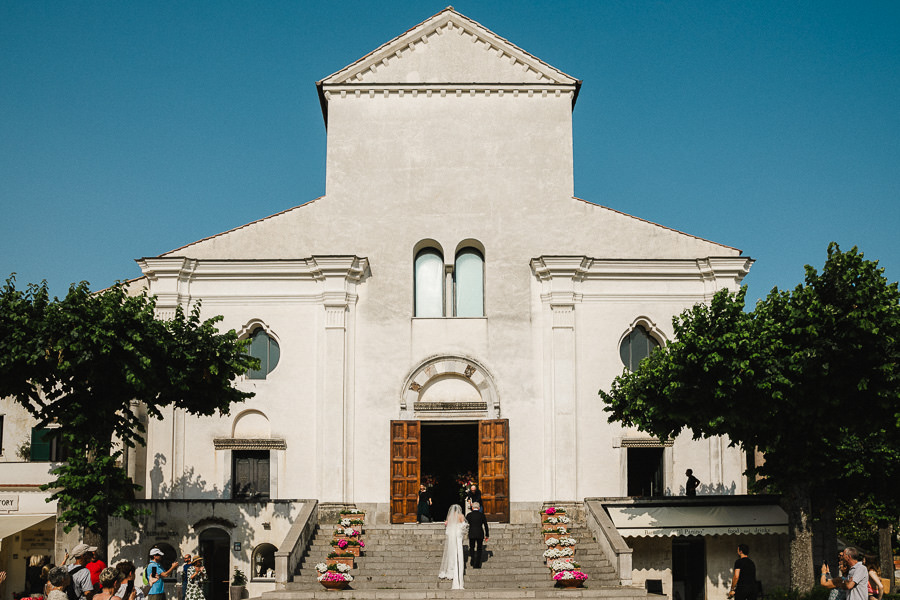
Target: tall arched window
[(429, 283), (266, 349), (468, 278), (637, 346)]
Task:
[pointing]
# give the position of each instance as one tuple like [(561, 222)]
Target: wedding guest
[(127, 589), (109, 582), (423, 508), (57, 582)]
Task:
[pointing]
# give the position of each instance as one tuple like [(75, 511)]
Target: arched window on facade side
[(264, 561), (468, 278), (429, 283), (266, 349), (637, 346)]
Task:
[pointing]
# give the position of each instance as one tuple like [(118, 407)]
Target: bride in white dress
[(453, 561)]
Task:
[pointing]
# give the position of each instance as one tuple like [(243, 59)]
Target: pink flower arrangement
[(362, 544), (550, 511), (342, 544), (570, 575), (334, 576)]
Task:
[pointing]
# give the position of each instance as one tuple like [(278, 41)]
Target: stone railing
[(611, 542), (295, 543)]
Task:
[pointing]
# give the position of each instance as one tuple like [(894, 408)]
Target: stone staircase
[(402, 562)]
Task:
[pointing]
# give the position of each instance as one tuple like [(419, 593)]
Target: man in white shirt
[(857, 577)]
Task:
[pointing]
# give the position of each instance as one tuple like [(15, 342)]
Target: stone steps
[(401, 562)]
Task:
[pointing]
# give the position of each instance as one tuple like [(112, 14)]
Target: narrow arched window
[(637, 346), (468, 277), (266, 349), (429, 283)]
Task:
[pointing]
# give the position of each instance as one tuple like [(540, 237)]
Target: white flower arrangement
[(559, 552), (560, 519), (347, 531), (345, 522), (567, 541), (552, 541), (562, 565)]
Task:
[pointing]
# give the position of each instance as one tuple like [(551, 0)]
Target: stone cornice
[(174, 280), (442, 90), (249, 444), (581, 268)]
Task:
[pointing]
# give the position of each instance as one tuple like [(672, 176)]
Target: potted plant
[(348, 545), (572, 578), (340, 557), (353, 513), (334, 576), (555, 554), (238, 584)]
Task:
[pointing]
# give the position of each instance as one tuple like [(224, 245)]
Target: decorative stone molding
[(644, 443), (438, 367), (178, 281), (249, 444), (649, 326)]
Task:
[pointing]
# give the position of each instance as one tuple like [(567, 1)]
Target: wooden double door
[(406, 468)]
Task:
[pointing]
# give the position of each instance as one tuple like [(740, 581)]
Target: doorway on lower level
[(688, 568), (449, 452)]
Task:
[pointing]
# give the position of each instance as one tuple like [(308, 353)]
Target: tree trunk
[(824, 530), (99, 538), (886, 558), (796, 502)]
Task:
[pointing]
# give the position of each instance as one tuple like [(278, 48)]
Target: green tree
[(810, 377), (79, 362)]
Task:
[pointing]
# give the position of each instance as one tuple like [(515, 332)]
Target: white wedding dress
[(453, 562)]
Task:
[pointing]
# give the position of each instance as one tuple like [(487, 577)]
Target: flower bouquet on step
[(349, 545), (556, 520), (557, 566), (555, 532), (340, 557), (353, 513), (555, 554), (346, 532), (339, 568), (351, 522), (570, 578), (334, 577)]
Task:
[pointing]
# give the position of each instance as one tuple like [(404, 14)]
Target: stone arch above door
[(449, 386)]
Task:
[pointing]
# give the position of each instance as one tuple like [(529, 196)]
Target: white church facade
[(447, 307)]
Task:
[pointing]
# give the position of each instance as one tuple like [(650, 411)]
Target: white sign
[(9, 502)]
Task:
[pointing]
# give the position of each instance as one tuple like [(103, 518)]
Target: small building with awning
[(685, 548), (28, 525)]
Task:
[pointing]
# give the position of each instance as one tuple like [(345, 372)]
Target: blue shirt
[(154, 569)]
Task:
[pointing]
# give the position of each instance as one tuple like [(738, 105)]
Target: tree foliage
[(80, 362), (809, 376)]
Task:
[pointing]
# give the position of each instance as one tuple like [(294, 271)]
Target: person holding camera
[(857, 576)]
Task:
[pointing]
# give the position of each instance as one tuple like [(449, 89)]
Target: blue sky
[(131, 128)]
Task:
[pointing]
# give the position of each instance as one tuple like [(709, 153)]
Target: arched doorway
[(215, 549)]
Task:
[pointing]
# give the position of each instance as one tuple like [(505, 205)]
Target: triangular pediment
[(448, 48)]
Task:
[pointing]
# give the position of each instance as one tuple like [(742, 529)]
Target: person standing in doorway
[(473, 497), (690, 488), (743, 582), (478, 534), (423, 508)]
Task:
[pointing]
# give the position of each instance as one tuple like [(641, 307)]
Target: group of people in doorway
[(87, 577), (471, 525)]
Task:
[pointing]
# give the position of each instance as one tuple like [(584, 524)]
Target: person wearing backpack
[(156, 575), (81, 588)]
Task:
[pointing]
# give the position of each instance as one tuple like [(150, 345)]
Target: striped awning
[(661, 521)]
